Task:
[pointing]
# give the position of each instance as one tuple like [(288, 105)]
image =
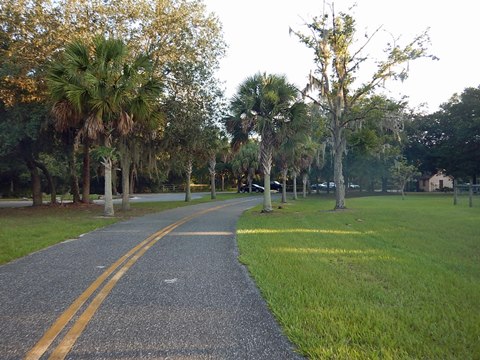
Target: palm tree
[(214, 143), (267, 104), (294, 137), (246, 161), (100, 81)]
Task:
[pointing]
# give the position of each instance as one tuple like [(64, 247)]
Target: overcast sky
[(257, 35)]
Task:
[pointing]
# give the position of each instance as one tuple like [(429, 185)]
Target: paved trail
[(181, 294)]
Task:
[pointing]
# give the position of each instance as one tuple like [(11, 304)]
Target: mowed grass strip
[(26, 230), (384, 279)]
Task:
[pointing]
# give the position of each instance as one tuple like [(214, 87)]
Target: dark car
[(275, 185), (255, 188)]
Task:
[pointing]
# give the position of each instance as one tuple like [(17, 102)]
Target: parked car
[(316, 186), (331, 185), (323, 186), (275, 185), (353, 186), (255, 188)]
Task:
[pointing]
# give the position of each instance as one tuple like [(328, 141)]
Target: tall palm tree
[(246, 161), (102, 81), (268, 104)]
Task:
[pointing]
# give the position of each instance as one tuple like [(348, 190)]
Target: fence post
[(455, 192), (470, 194)]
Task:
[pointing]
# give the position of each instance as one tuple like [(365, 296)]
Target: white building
[(436, 182)]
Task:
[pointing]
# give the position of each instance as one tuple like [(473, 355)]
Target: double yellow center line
[(130, 258)]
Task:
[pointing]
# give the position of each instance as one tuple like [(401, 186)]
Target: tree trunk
[(108, 207), (51, 183), (132, 180), (211, 168), (267, 196), (125, 185), (250, 180), (188, 194), (339, 146), (339, 181), (266, 159), (223, 181), (455, 192), (295, 196), (125, 164), (36, 182), (470, 194), (114, 179), (75, 189), (304, 183), (384, 184), (284, 185), (86, 172)]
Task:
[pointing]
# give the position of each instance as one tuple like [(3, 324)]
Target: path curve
[(185, 297)]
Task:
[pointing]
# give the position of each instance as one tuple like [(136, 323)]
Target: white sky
[(256, 32)]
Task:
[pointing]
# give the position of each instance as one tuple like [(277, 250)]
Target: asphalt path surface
[(185, 297)]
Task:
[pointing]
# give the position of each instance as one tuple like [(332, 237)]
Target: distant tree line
[(101, 98)]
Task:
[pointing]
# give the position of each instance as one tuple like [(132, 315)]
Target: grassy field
[(384, 279), (25, 230)]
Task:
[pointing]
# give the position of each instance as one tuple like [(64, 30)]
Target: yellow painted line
[(46, 340), (71, 337), (64, 347)]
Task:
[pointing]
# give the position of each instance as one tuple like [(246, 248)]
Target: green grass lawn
[(384, 279), (25, 230)]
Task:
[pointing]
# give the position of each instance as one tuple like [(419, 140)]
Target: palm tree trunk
[(188, 194), (125, 163), (51, 183), (250, 180), (132, 180), (239, 183), (295, 196), (108, 208), (284, 185), (75, 189), (211, 168), (114, 179), (126, 185), (223, 182), (266, 158), (86, 172), (36, 183), (304, 181)]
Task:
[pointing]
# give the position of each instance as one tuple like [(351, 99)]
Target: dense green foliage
[(449, 138), (34, 35), (349, 134)]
